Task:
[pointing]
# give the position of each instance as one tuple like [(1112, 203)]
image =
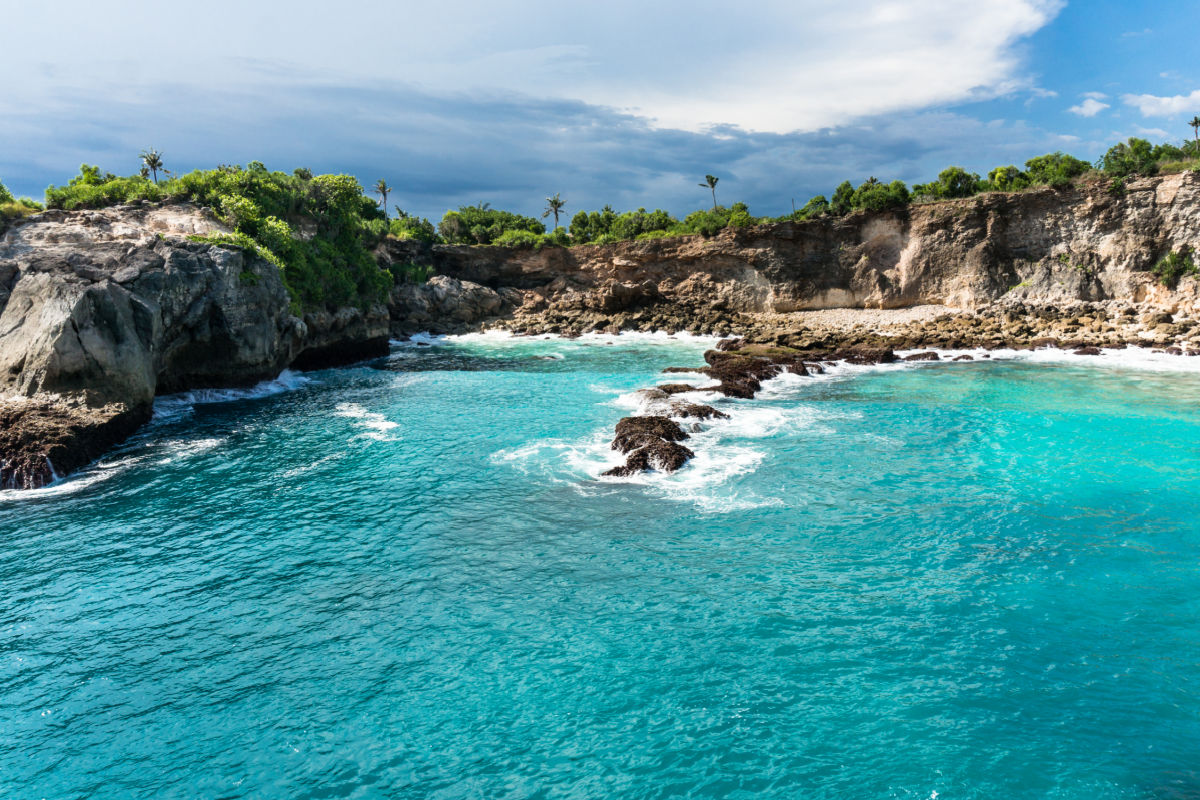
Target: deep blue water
[(402, 580)]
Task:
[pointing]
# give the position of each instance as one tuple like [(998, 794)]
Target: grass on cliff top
[(329, 267), (14, 208)]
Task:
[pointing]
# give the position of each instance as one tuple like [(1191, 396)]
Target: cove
[(405, 579)]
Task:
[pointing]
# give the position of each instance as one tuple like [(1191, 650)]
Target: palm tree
[(554, 205), (382, 188), (1195, 123), (710, 182), (152, 160)]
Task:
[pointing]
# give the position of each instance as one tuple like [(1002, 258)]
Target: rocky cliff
[(1041, 246), (102, 310)]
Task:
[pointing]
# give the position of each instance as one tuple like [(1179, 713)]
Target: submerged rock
[(928, 355)]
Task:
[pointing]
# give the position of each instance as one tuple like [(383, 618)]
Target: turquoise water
[(402, 580)]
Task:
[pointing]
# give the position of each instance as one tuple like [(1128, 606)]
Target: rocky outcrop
[(649, 442), (1042, 246), (447, 305), (102, 310)]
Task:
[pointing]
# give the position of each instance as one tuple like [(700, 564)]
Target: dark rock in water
[(636, 432), (1043, 342), (964, 357), (696, 411), (677, 370), (731, 344), (651, 443), (1087, 351), (739, 375), (1175, 351), (797, 368), (660, 455), (928, 355), (677, 388), (43, 439), (867, 355), (814, 368)]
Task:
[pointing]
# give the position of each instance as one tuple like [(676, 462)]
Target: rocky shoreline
[(101, 311), (769, 347)]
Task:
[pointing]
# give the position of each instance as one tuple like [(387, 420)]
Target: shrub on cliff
[(599, 227), (483, 225), (407, 227), (12, 208), (843, 199), (330, 266), (952, 182), (873, 195), (1174, 266), (815, 207), (1134, 157), (1055, 169)]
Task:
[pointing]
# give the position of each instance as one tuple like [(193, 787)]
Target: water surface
[(404, 580)]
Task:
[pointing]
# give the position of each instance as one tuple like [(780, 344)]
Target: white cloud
[(1158, 133), (1154, 106), (768, 65), (1096, 95), (1088, 108)]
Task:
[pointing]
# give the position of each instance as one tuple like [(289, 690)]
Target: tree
[(842, 196), (951, 182), (554, 205), (1136, 156), (382, 188), (152, 160), (1195, 123), (1055, 169), (710, 182)]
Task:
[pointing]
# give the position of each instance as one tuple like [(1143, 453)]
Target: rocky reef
[(100, 311)]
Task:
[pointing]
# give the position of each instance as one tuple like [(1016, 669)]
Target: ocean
[(405, 579)]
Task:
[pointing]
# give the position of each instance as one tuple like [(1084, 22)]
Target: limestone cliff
[(102, 310), (1041, 246)]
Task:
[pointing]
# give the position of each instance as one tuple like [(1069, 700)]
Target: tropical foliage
[(14, 208), (328, 267), (483, 224)]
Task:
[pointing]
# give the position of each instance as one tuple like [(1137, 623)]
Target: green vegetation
[(483, 224), (151, 163), (319, 229), (14, 208), (1174, 266), (406, 227), (710, 182), (412, 273), (331, 267), (554, 205)]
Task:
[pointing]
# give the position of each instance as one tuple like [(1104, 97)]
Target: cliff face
[(102, 310), (1042, 246)]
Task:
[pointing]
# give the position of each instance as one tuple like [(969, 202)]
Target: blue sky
[(627, 102)]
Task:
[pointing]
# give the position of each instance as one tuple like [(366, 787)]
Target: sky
[(628, 102)]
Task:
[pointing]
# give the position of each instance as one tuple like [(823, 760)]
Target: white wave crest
[(374, 425), (174, 405)]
